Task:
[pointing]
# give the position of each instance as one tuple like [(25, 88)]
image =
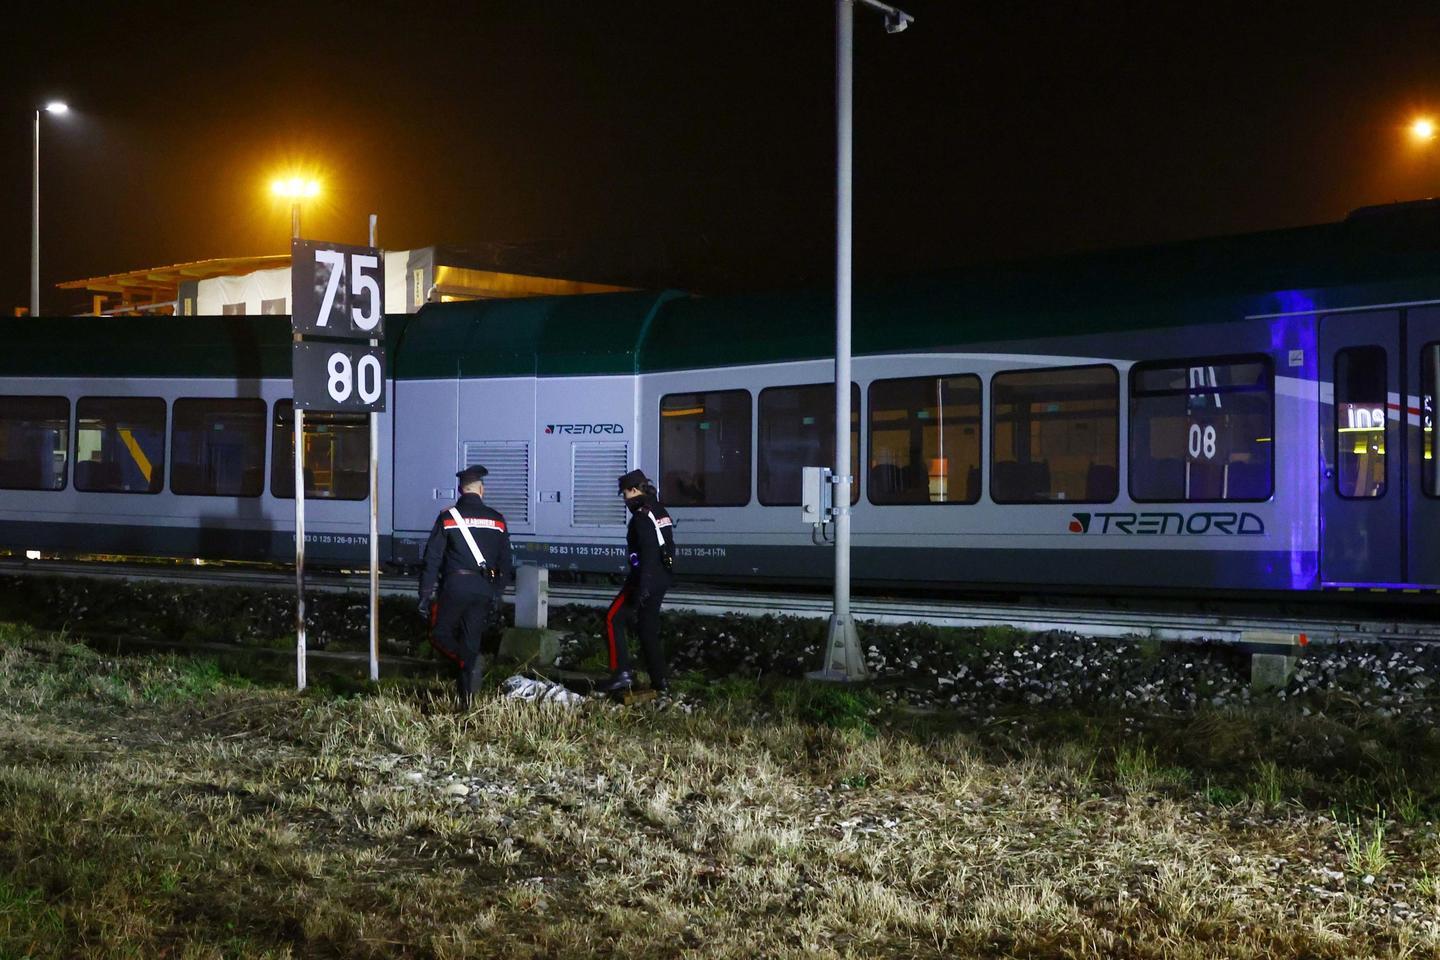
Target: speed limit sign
[(336, 290), (339, 376)]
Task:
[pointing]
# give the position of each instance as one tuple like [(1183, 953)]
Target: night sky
[(691, 143)]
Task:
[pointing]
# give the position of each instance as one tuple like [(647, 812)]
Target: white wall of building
[(268, 291)]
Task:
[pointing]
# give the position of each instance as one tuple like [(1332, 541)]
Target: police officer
[(650, 544), (468, 558)]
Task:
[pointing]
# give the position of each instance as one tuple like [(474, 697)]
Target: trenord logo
[(1225, 523), (584, 428)]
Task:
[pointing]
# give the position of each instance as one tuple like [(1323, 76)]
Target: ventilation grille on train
[(507, 486), (595, 468)]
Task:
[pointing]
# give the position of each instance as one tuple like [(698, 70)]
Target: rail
[(1154, 624)]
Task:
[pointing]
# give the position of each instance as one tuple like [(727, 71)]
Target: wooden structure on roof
[(156, 289), (435, 274)]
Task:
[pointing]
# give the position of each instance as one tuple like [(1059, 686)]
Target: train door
[(1362, 496), (1422, 373)]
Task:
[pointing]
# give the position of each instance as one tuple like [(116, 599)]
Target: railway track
[(1320, 628)]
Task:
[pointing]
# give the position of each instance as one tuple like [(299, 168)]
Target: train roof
[(1381, 255), (1377, 255)]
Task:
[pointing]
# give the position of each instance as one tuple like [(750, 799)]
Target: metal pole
[(35, 226), (375, 518), (299, 549), (843, 660), (299, 503)]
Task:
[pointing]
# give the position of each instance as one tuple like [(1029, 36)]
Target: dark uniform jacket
[(650, 542), (447, 554)]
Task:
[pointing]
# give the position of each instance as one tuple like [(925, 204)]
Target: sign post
[(337, 314), (375, 507)]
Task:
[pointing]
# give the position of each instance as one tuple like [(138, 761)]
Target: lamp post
[(58, 108), (295, 189), (843, 658)]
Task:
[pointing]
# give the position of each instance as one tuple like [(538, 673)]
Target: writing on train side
[(1225, 523), (584, 428)]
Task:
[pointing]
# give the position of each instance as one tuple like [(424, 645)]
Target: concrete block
[(529, 645), (1270, 671), (532, 596)]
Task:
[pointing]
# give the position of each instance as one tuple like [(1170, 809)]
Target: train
[(1247, 414)]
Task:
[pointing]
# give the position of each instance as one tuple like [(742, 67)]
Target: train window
[(705, 449), (1055, 435), (797, 429), (217, 447), (924, 440), (1429, 368), (34, 442), (1202, 430), (120, 444), (337, 454), (1360, 398)]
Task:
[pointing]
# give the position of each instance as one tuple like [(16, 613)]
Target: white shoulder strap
[(469, 539), (659, 536)]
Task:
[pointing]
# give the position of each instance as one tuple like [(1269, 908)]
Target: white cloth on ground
[(538, 691)]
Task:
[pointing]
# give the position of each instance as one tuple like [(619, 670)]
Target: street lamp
[(1422, 129), (843, 659), (295, 189), (58, 108)]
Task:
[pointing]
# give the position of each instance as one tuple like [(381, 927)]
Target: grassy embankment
[(154, 806)]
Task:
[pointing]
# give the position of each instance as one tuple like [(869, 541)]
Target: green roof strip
[(135, 347), (545, 336)]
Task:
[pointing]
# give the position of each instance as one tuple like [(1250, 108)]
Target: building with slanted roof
[(261, 285)]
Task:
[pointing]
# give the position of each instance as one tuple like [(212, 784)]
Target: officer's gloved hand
[(423, 608)]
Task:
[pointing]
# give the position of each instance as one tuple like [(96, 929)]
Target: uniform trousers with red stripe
[(457, 621), (644, 610)]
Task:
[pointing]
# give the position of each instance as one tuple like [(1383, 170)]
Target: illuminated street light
[(56, 108), (295, 189), (1423, 128)]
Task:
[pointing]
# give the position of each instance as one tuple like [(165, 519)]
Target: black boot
[(622, 681), (470, 681)]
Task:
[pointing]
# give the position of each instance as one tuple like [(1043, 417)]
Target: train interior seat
[(1012, 480), (892, 483), (351, 485), (21, 475), (1249, 481), (1101, 482), (1162, 479), (102, 475), (1207, 480)]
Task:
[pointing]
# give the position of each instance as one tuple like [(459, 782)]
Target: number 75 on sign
[(336, 290)]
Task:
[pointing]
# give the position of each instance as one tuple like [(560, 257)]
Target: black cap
[(635, 478), (471, 474)]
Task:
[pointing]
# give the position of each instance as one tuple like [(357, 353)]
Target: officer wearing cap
[(467, 564), (650, 546)]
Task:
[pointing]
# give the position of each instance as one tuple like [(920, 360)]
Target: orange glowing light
[(1423, 128), (295, 188)]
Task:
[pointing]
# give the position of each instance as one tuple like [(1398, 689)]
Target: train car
[(173, 437), (1245, 414)]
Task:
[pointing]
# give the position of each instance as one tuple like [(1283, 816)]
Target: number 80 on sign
[(339, 376)]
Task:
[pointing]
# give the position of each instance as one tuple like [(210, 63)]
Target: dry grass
[(154, 807)]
